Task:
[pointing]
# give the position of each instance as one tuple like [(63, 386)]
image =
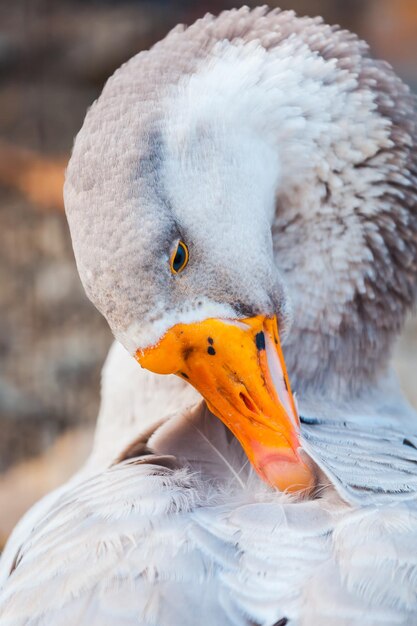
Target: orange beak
[(239, 369)]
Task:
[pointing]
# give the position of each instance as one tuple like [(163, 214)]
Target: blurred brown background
[(55, 56)]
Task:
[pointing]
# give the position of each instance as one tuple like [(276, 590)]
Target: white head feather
[(284, 157)]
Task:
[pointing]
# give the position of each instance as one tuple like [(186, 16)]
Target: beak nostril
[(260, 340), (248, 402)]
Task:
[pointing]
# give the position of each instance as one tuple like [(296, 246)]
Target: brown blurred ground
[(54, 59)]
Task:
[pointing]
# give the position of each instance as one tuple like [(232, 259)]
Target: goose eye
[(179, 258)]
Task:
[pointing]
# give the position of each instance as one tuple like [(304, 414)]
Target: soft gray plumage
[(199, 134), (286, 158)]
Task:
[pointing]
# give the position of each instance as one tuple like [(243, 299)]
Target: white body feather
[(139, 543)]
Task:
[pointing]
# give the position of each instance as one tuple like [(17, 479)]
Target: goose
[(242, 205)]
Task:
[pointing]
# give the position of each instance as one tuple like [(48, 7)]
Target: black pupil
[(179, 258)]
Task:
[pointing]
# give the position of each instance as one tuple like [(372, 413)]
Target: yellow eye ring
[(179, 258)]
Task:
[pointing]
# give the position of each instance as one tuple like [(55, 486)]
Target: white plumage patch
[(142, 544)]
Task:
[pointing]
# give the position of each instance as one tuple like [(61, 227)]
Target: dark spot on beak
[(188, 350), (210, 340), (211, 350), (285, 383), (184, 374), (260, 341)]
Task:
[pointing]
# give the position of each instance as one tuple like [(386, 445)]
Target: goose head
[(246, 182)]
